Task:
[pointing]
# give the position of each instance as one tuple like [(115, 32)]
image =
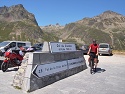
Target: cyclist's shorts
[(94, 55)]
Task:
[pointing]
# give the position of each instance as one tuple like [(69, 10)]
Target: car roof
[(103, 43), (17, 41)]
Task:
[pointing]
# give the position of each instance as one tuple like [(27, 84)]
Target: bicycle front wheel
[(91, 66), (4, 66)]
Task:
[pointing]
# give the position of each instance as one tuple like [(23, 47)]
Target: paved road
[(109, 79)]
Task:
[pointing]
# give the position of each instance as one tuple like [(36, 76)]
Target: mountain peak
[(108, 14), (16, 13), (5, 9), (17, 7)]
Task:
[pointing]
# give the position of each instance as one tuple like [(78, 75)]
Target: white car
[(13, 45), (105, 48)]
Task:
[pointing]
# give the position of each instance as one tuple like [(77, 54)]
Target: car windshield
[(3, 43), (103, 46)]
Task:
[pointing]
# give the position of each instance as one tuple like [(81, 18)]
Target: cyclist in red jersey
[(94, 48)]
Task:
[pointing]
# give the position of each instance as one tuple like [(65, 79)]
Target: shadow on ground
[(106, 55), (12, 69), (100, 70)]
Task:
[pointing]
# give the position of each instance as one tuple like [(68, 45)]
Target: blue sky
[(66, 11)]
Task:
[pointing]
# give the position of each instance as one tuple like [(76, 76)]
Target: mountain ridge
[(107, 27), (16, 23), (16, 13)]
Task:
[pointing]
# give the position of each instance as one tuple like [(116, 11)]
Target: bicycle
[(92, 63)]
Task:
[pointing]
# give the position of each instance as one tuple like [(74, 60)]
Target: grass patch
[(122, 52), (17, 87)]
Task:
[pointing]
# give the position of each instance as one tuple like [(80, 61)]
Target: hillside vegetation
[(16, 23), (107, 27)]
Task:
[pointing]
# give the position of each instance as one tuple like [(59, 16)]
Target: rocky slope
[(16, 13), (107, 27), (16, 23)]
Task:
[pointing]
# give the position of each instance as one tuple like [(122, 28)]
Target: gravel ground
[(109, 79)]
